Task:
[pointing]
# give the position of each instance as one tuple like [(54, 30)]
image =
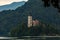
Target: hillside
[(11, 18)]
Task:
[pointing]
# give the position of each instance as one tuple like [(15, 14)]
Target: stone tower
[(29, 21)]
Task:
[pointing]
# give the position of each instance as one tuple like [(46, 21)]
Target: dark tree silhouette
[(54, 3)]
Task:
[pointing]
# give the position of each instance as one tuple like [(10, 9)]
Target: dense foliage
[(41, 30)]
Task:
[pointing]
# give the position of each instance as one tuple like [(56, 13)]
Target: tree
[(19, 31), (54, 3)]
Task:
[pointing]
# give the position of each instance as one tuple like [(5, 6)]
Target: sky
[(5, 2)]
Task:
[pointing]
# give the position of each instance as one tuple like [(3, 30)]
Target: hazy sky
[(4, 2)]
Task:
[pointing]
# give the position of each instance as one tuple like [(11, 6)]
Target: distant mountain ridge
[(12, 6)]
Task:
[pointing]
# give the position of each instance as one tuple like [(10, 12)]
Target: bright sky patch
[(4, 2)]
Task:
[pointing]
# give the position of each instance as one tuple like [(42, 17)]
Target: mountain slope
[(12, 6), (38, 11), (11, 18)]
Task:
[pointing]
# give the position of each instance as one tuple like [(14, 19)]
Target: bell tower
[(29, 20)]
